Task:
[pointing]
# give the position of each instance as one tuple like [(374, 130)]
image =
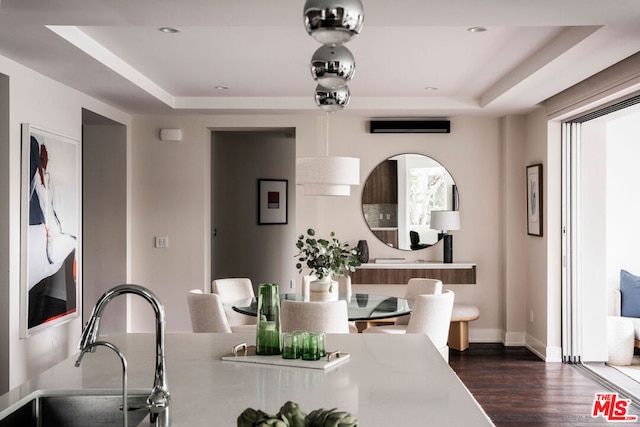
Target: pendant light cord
[(327, 133)]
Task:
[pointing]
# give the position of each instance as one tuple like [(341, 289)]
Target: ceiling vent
[(410, 126)]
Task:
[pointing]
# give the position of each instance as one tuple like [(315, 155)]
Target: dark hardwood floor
[(516, 388)]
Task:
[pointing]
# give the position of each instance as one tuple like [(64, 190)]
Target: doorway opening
[(240, 245)]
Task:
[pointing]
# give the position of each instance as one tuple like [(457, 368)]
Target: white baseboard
[(548, 354), (554, 355), (513, 339), (485, 335)]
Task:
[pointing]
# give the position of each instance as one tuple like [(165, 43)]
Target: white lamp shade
[(329, 176), (445, 220)]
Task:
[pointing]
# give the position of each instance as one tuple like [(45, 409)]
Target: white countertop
[(390, 380), (417, 265)]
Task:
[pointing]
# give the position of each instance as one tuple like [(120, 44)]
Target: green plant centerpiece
[(325, 258)]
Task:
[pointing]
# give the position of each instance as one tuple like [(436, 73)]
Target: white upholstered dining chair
[(431, 316), (231, 290), (321, 316), (344, 289), (207, 314), (419, 286)]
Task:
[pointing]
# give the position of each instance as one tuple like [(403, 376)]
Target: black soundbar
[(410, 126)]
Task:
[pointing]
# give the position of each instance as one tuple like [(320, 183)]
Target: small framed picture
[(534, 200), (272, 201)]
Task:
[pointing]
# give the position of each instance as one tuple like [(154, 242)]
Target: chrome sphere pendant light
[(333, 22), (332, 100), (332, 66)]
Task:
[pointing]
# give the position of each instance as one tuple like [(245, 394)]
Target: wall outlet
[(292, 285), (162, 241), (531, 316)]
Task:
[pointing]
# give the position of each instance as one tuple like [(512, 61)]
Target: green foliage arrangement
[(325, 257), (291, 415)]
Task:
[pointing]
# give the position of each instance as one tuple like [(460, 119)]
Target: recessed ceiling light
[(221, 87), (476, 29), (430, 88), (169, 30)]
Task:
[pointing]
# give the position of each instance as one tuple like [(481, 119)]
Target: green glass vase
[(268, 329)]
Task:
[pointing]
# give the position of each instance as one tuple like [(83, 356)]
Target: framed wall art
[(272, 201), (534, 200), (50, 227)]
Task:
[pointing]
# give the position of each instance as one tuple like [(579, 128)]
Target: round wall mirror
[(400, 194)]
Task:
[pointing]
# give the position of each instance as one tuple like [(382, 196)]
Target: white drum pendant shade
[(328, 176), (326, 190)]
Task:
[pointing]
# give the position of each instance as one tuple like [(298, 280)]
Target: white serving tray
[(251, 357)]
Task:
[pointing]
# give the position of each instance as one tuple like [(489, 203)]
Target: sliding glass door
[(597, 150)]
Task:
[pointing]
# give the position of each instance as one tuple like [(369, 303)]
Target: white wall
[(104, 221), (543, 253), (552, 250), (40, 101), (514, 266)]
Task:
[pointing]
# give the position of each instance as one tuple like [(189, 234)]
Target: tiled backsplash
[(381, 215)]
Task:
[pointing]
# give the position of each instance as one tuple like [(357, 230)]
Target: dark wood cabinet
[(382, 184), (381, 274)]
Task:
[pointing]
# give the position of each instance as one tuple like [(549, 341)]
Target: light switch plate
[(162, 241)]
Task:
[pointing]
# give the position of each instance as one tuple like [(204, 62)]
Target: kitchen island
[(388, 380)]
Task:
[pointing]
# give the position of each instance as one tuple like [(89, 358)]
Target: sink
[(78, 409)]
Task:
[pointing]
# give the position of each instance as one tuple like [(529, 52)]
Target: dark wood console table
[(400, 273)]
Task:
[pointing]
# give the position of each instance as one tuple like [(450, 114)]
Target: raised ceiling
[(113, 51)]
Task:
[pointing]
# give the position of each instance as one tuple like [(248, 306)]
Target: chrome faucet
[(158, 400), (125, 397)]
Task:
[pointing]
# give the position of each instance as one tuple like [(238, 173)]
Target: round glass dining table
[(360, 307)]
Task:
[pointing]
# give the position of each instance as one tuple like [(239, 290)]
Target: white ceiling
[(113, 51)]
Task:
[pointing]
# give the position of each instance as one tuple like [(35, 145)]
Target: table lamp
[(446, 221)]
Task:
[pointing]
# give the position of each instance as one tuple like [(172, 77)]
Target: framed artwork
[(272, 201), (534, 200), (50, 226)]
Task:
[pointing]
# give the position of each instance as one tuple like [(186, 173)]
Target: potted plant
[(325, 259)]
